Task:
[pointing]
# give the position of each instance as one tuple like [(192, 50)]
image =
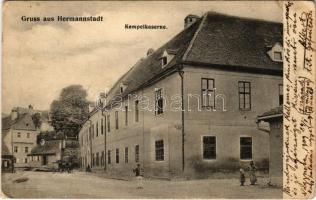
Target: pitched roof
[(215, 39), (50, 147), (5, 149), (22, 122), (234, 41), (148, 68)]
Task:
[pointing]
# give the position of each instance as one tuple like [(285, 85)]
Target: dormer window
[(164, 61), (122, 88), (167, 56), (276, 53)]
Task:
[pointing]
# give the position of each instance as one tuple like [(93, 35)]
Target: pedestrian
[(252, 173), (139, 176), (242, 177)]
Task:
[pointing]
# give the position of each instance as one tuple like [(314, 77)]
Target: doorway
[(44, 160)]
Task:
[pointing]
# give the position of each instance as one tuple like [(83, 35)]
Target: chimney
[(14, 114), (190, 19)]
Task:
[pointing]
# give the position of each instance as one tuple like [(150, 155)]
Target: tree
[(37, 120), (70, 110)]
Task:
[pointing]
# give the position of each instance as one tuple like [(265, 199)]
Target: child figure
[(139, 176), (242, 177), (252, 173)]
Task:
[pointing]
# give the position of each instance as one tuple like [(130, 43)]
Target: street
[(83, 185)]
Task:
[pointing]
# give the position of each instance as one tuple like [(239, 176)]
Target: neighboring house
[(44, 117), (190, 107), (6, 159), (46, 154), (19, 136), (92, 141), (275, 119)]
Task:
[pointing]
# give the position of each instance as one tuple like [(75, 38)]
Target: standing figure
[(242, 177), (252, 173), (139, 176)]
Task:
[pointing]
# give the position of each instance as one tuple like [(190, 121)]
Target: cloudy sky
[(40, 58)]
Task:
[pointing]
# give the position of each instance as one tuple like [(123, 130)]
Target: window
[(16, 149), (244, 95), (209, 147), (245, 148), (277, 55), (208, 93), (159, 150), (32, 158), (280, 94), (116, 120), (102, 158), (164, 61), (117, 156), (158, 102), (136, 111), (126, 115), (92, 130), (126, 154), (25, 160), (93, 160), (26, 149), (28, 135), (97, 129), (109, 156), (97, 159), (137, 153), (19, 134), (121, 89), (109, 127), (102, 127)]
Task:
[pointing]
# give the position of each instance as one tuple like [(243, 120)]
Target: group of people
[(138, 171), (252, 175)]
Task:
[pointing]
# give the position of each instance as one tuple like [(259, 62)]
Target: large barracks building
[(190, 107)]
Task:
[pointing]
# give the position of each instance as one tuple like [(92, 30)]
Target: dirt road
[(82, 185)]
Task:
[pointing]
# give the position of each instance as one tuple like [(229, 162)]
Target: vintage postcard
[(158, 99)]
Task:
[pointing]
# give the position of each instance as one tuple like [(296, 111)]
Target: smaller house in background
[(46, 154), (275, 119), (7, 160)]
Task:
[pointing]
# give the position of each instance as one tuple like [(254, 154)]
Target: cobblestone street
[(82, 185)]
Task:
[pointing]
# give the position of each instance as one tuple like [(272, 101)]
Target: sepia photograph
[(156, 99)]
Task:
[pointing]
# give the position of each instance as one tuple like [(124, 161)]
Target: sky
[(41, 58)]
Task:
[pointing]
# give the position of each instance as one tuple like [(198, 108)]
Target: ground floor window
[(209, 147), (126, 154), (109, 156), (97, 159), (25, 160), (117, 156), (246, 148), (102, 159), (137, 153), (159, 150)]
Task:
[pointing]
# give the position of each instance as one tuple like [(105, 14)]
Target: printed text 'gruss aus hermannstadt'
[(63, 19)]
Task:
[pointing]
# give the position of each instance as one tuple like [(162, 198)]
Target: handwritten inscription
[(299, 104)]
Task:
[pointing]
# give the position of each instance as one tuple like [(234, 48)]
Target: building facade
[(19, 135), (190, 107), (46, 154)]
